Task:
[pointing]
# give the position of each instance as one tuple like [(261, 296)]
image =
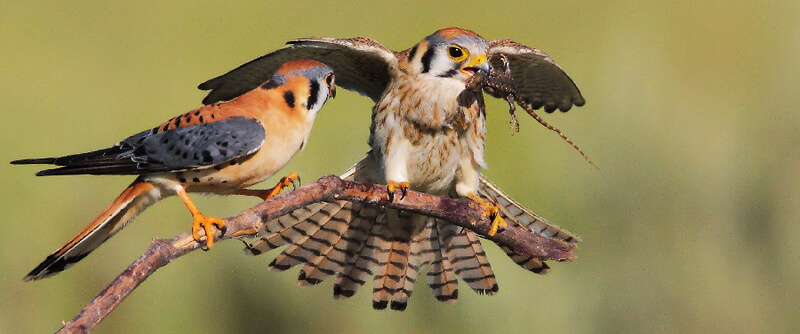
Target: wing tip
[(78, 170), (39, 161), (34, 161), (208, 99)]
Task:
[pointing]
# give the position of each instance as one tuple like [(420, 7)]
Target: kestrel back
[(427, 134)]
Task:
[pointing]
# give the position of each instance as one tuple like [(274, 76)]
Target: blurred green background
[(690, 226)]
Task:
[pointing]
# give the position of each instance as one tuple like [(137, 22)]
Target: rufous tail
[(135, 199)]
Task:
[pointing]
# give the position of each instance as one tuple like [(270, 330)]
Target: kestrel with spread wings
[(221, 148), (427, 134)]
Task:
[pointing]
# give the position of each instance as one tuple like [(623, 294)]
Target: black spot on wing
[(195, 146), (200, 145)]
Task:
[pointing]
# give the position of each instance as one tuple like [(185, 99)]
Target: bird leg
[(200, 221), (392, 185), (290, 180), (493, 211)]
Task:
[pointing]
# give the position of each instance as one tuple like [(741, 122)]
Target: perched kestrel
[(221, 148), (427, 134)]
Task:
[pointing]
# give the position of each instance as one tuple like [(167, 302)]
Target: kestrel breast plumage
[(220, 148), (427, 134)]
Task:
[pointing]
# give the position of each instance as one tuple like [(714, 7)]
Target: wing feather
[(189, 147), (360, 64), (538, 79)]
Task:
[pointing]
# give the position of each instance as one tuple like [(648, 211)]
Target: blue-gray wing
[(537, 78), (360, 64), (191, 147)]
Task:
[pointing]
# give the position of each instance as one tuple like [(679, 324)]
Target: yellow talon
[(498, 224), (290, 180), (403, 186), (206, 224), (491, 210), (200, 221)]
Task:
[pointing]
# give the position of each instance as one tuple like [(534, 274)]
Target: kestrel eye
[(455, 52), (329, 79)]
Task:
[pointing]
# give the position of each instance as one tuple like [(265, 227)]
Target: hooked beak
[(332, 91), (480, 63)]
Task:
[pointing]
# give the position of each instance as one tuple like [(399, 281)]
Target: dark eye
[(329, 79), (455, 52)]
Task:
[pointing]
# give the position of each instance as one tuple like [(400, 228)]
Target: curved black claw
[(392, 185)]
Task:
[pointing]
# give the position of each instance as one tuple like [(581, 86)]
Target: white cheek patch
[(319, 100)]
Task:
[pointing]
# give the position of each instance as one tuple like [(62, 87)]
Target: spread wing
[(360, 64), (537, 78), (189, 147)]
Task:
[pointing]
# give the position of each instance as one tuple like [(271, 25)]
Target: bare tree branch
[(461, 212)]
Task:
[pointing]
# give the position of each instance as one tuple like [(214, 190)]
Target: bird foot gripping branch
[(290, 180), (202, 222), (493, 211), (393, 185)]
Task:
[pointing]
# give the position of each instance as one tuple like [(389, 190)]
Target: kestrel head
[(307, 82), (450, 53)]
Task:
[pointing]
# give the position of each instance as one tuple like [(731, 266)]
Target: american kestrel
[(427, 134), (221, 148)]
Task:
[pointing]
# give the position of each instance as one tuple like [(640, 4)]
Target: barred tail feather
[(309, 241), (527, 262), (366, 248), (515, 213), (332, 251), (279, 232), (441, 278), (394, 281), (469, 261)]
